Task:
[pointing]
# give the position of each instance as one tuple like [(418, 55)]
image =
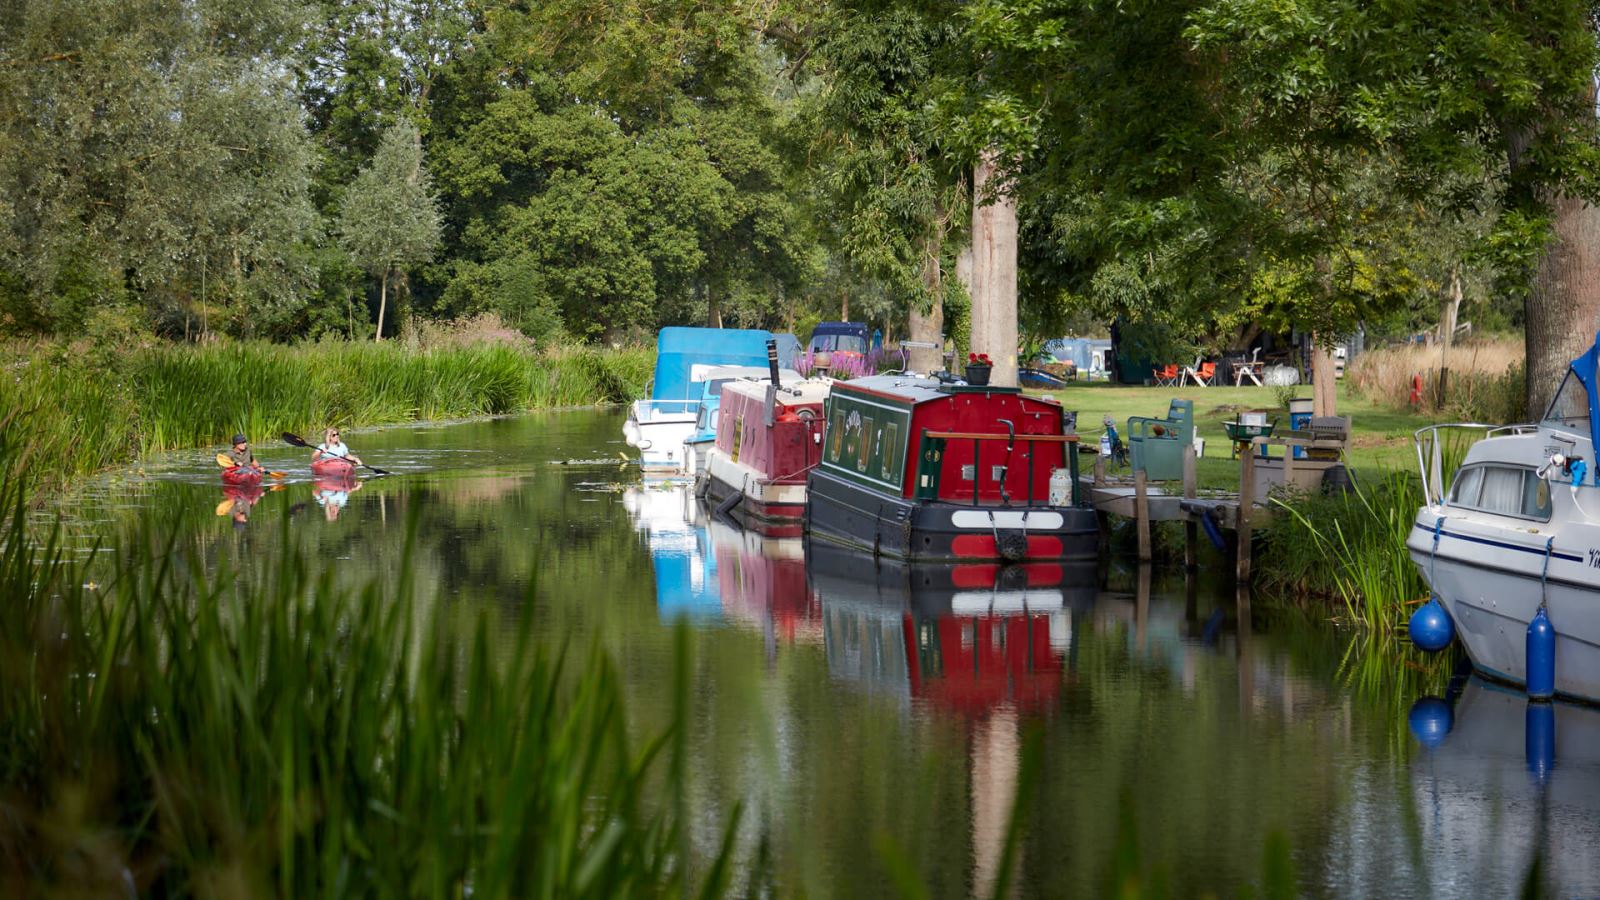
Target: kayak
[(333, 467), (239, 475)]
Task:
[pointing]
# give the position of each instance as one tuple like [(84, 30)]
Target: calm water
[(863, 713)]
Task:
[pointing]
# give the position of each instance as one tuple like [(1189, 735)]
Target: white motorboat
[(1520, 527)]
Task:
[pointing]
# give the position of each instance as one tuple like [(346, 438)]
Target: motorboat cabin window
[(1502, 490), (1571, 404), (838, 343)]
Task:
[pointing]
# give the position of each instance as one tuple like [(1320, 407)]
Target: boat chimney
[(772, 388)]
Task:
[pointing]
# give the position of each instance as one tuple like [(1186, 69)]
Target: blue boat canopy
[(679, 350), (1584, 368)]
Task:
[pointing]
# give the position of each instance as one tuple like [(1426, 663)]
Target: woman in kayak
[(332, 448)]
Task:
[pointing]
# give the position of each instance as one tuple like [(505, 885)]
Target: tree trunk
[(994, 274), (927, 326), (844, 306), (1324, 380), (713, 308), (1447, 330), (1563, 305), (383, 303)]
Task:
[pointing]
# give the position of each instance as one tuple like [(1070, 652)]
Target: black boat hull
[(933, 531)]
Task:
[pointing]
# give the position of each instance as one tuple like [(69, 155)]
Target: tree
[(146, 146), (390, 220), (887, 186)]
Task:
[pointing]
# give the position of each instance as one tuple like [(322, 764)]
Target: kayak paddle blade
[(294, 439), (224, 461)]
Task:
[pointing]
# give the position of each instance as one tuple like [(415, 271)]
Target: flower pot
[(978, 375)]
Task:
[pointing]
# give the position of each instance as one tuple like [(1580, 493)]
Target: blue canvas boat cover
[(679, 350), (1584, 367)]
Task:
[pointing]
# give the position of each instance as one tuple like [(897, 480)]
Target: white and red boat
[(769, 436)]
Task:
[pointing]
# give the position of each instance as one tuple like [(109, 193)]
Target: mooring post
[(1099, 469), (1247, 499), (1190, 527), (1141, 514)]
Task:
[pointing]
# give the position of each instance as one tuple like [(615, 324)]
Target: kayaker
[(333, 494), (241, 455), (332, 448)]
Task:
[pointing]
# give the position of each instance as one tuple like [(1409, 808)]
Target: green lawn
[(1382, 436)]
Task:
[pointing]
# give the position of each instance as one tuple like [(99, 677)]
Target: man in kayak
[(332, 448), (241, 455)]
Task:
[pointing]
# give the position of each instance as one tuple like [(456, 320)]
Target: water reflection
[(843, 702), (1506, 785), (965, 638)]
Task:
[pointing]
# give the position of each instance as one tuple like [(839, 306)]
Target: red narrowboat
[(768, 438), (917, 469)]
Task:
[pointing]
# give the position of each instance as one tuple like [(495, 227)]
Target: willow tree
[(390, 220)]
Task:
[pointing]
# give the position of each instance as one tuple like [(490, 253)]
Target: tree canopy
[(600, 168)]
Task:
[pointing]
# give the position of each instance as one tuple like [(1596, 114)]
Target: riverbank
[(79, 411), (1344, 553)]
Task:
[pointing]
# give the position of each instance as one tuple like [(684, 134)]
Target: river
[(1169, 733)]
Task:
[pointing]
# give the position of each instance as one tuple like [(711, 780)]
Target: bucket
[(1300, 419), (1253, 418)]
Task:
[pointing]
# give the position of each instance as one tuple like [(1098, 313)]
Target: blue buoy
[(1540, 739), (1431, 628), (1431, 719), (1541, 657)]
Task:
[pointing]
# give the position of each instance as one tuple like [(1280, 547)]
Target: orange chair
[(1167, 376)]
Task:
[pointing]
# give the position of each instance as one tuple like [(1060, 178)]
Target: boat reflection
[(711, 571), (238, 501), (674, 525), (1505, 785), (966, 638)]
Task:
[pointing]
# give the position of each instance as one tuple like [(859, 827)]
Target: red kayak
[(333, 467), (241, 475)]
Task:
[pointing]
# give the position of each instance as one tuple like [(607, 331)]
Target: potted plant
[(978, 368)]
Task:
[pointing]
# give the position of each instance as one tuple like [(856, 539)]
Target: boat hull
[(1491, 585), (774, 509), (660, 440), (333, 468), (934, 531), (241, 477)]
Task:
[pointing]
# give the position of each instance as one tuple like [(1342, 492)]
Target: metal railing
[(645, 411), (1429, 446), (930, 463)]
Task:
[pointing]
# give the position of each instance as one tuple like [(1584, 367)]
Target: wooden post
[(1247, 500), (1099, 469), (1141, 514), (1190, 527)]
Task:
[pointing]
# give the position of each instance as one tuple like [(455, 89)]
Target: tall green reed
[(81, 415), (178, 732)]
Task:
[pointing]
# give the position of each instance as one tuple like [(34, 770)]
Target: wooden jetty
[(1236, 511)]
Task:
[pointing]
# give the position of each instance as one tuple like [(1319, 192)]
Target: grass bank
[(1344, 553), (80, 411)]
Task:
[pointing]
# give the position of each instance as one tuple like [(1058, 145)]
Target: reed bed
[(1349, 548), (264, 733), (1486, 382), (80, 415)]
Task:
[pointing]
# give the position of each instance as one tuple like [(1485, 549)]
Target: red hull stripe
[(981, 546)]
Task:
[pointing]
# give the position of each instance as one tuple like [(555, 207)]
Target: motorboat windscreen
[(839, 343), (1570, 407)]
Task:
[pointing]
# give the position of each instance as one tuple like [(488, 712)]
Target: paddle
[(226, 463), (298, 441)]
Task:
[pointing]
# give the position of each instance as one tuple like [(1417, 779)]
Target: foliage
[(390, 220), (145, 148)]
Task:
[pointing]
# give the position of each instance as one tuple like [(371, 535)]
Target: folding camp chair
[(1201, 372)]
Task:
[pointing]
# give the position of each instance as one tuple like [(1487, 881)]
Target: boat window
[(1535, 497), (1503, 490), (715, 388), (836, 343), (1571, 404), (1465, 490), (864, 449), (835, 435), (891, 450)]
